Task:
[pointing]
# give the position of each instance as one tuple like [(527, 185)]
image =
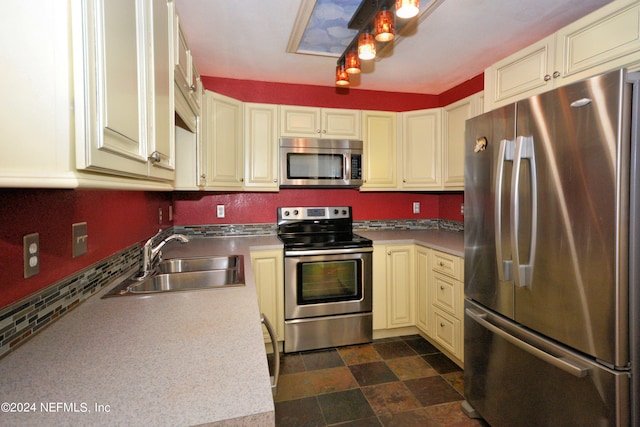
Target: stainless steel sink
[(180, 265), (186, 274), (188, 281)]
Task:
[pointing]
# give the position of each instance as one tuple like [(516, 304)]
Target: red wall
[(115, 220), (331, 97), (251, 208)]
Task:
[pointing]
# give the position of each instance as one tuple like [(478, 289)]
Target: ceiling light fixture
[(342, 77), (373, 17), (385, 26), (407, 8), (352, 62), (366, 46)]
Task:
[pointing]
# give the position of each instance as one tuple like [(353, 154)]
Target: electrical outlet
[(170, 212), (462, 209), (159, 215), (79, 242), (220, 211), (31, 251), (416, 207)]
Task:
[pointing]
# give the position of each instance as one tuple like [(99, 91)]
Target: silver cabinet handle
[(558, 362), (276, 353), (547, 77), (156, 156), (556, 74)]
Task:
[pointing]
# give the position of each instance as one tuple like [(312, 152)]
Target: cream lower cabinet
[(446, 311), (267, 267), (394, 288), (604, 40)]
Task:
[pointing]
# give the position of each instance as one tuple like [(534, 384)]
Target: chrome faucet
[(151, 253)]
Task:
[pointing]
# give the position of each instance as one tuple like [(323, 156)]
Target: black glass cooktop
[(324, 241)]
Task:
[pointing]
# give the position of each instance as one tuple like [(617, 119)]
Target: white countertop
[(179, 359)]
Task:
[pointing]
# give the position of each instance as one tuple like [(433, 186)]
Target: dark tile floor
[(402, 381)]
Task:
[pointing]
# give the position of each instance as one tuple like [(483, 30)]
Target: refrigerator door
[(488, 165), (513, 377), (569, 216)]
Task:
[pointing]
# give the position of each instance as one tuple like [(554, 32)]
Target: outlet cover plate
[(31, 251), (80, 237)]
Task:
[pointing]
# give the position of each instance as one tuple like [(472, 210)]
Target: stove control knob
[(344, 212), (286, 213), (295, 212), (336, 211)]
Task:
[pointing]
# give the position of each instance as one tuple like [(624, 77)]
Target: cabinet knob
[(155, 157), (203, 176), (441, 288), (192, 88), (324, 131), (547, 78), (441, 325), (317, 130), (441, 264), (275, 180), (556, 74)]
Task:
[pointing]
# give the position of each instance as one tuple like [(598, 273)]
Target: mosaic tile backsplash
[(21, 320)]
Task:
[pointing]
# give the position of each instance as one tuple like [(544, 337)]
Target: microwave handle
[(347, 166)]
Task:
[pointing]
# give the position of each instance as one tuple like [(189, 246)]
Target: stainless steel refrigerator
[(552, 258)]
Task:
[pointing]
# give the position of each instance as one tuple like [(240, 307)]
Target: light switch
[(80, 237)]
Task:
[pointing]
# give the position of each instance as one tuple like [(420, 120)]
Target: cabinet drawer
[(447, 294), (447, 331), (450, 265)]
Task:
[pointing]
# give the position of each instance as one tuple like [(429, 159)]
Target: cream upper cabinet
[(126, 79), (421, 161), (261, 147), (379, 136), (454, 117), (268, 266), (606, 39), (333, 123), (223, 142)]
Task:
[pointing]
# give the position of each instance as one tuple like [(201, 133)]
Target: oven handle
[(340, 251)]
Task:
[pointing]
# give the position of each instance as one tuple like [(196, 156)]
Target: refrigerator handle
[(505, 153), (523, 272), (558, 362)]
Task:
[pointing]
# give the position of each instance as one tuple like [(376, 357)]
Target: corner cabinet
[(223, 143), (604, 40), (379, 138), (330, 123), (267, 267), (125, 88), (421, 149)]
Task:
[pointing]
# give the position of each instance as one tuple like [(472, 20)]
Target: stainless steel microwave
[(314, 162)]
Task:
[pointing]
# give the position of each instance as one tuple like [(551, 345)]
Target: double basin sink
[(186, 274)]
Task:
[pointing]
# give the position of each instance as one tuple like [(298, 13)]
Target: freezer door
[(569, 216), (515, 378), (487, 251)]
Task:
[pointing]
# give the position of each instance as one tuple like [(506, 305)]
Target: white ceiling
[(247, 39)]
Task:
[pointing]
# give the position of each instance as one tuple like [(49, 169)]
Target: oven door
[(327, 282)]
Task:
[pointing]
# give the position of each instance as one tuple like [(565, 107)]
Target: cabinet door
[(261, 147), (604, 40), (299, 121), (421, 149), (267, 267), (162, 122), (115, 86), (447, 331), (400, 286), (340, 123), (520, 75), (182, 60), (380, 148), (423, 300), (454, 117), (379, 283), (224, 144)]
